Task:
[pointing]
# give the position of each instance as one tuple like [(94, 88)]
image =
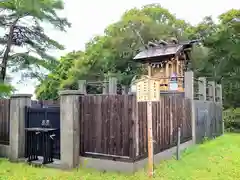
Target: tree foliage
[(217, 57), (49, 86), (224, 56), (112, 53), (23, 21)]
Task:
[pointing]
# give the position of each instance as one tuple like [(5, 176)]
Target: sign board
[(173, 84)]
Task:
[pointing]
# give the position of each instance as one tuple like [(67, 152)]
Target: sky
[(91, 17)]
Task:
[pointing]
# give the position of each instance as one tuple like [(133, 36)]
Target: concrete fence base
[(129, 167), (4, 150)]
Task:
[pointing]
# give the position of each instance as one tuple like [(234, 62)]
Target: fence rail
[(4, 121)]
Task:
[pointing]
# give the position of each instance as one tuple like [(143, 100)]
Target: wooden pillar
[(166, 81), (189, 94), (112, 85), (149, 125), (202, 86), (167, 70), (177, 67)]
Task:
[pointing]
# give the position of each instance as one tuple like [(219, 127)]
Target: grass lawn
[(214, 160)]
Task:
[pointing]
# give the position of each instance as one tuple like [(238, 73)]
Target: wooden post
[(149, 126), (176, 65), (202, 85)]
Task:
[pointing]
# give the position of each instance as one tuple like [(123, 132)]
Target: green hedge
[(232, 119)]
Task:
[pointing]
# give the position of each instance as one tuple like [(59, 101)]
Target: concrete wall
[(209, 121), (110, 165), (4, 150), (16, 149)]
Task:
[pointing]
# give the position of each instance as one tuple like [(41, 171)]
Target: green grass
[(214, 160)]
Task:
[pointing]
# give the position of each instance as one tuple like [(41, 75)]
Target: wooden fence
[(168, 114), (4, 121), (107, 125), (115, 126), (209, 122)]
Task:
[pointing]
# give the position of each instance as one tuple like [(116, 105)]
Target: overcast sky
[(90, 18)]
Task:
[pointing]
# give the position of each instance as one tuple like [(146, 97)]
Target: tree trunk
[(6, 52)]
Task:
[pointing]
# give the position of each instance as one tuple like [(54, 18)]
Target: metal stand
[(42, 137)]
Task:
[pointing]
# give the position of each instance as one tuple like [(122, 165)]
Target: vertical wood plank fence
[(4, 121), (115, 126), (107, 125), (168, 114)]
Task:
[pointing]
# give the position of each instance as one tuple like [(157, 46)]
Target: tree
[(222, 61), (49, 86), (22, 20), (112, 54)]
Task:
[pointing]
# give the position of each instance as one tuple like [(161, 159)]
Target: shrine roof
[(158, 53)]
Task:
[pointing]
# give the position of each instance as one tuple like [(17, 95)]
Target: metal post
[(178, 143)]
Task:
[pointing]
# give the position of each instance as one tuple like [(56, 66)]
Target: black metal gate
[(36, 117)]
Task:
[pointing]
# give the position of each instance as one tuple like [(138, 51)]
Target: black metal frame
[(31, 150), (47, 142), (42, 137), (33, 119)]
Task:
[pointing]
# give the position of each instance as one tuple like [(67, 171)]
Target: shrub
[(231, 119)]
